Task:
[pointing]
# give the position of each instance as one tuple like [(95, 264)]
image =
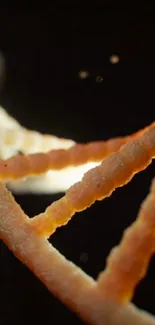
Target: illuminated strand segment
[(16, 137), (127, 263), (21, 166), (65, 280), (98, 183), (28, 142)]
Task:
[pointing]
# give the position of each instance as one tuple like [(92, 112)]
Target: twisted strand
[(98, 183), (21, 166), (65, 280), (105, 301)]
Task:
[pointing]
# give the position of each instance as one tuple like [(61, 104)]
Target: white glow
[(52, 181), (12, 137), (7, 121)]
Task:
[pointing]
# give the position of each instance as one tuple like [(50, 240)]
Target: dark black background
[(45, 48)]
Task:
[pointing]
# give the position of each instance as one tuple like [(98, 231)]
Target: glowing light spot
[(83, 74), (114, 59)]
